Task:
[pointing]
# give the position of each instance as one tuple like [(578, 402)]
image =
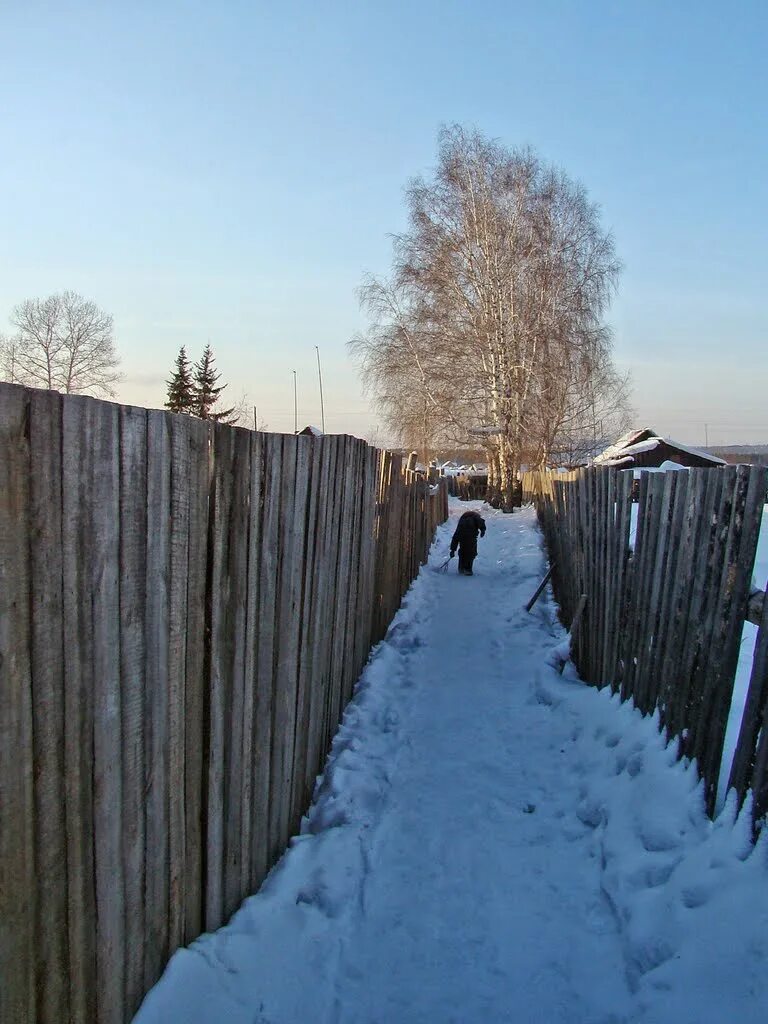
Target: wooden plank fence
[(664, 615), (184, 610)]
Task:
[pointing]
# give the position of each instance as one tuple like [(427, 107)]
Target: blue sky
[(228, 171)]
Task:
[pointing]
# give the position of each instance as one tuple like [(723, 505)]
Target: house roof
[(637, 441)]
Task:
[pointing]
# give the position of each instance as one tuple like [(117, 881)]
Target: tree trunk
[(493, 494), (508, 463)]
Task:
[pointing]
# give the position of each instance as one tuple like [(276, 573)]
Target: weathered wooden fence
[(663, 618), (184, 610), (475, 488), (468, 488)]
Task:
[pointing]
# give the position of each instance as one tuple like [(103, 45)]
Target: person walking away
[(465, 539)]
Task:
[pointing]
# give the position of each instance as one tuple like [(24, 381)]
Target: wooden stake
[(540, 588)]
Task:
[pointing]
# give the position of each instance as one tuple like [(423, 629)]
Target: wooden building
[(645, 449)]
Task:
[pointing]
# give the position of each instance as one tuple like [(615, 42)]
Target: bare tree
[(595, 416), (8, 360), (492, 319), (62, 343), (245, 414)]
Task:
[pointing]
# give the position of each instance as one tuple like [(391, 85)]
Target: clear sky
[(228, 170)]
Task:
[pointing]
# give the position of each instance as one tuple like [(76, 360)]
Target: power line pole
[(706, 436), (295, 406), (320, 378)]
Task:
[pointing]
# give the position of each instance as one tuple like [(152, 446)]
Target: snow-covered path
[(490, 842)]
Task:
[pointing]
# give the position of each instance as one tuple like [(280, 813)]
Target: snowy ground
[(491, 842)]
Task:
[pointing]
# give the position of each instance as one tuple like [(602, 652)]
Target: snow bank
[(689, 895)]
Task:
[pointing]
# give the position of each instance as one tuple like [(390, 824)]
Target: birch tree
[(492, 318), (62, 343)]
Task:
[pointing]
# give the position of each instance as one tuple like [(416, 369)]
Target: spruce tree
[(208, 390), (181, 395)]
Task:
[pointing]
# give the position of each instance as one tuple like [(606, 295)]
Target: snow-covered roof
[(626, 461), (696, 451), (314, 431), (629, 445)]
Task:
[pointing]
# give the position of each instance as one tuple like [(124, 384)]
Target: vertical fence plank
[(368, 554), (293, 510), (309, 638), (681, 593), (382, 531), (594, 583), (250, 684), (718, 539), (650, 570), (668, 576), (292, 632), (337, 553), (107, 731), (609, 574), (346, 524), (47, 676), (133, 589), (78, 704), (600, 519), (621, 558), (322, 604), (586, 574), (156, 781), (201, 454), (236, 639), (355, 540), (267, 622), (663, 489), (17, 915), (219, 675), (178, 556), (629, 638)]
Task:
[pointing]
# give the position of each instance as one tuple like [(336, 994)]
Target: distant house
[(644, 449), (311, 432)]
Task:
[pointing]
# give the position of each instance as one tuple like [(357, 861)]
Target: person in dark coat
[(465, 539)]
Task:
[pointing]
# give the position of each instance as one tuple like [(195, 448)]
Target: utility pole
[(295, 406), (320, 378), (706, 436)]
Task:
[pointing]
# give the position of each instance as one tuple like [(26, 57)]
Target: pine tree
[(207, 390), (181, 395)]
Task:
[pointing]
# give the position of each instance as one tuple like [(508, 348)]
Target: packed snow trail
[(491, 842)]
